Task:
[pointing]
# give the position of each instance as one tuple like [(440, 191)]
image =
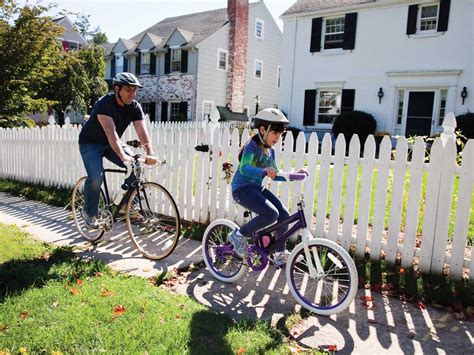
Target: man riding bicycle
[(100, 137)]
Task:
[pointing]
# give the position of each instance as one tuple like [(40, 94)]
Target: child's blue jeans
[(265, 204)]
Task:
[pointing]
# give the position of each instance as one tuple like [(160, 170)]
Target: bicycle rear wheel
[(219, 254), (330, 292), (153, 221), (77, 204)]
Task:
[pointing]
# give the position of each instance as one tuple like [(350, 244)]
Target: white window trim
[(318, 92), (219, 51), (278, 78), (323, 36), (257, 20), (418, 19), (171, 60), (142, 63), (203, 104), (255, 69)]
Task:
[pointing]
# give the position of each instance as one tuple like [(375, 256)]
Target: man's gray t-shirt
[(93, 133)]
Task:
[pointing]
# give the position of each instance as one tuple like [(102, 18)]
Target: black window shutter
[(309, 110), (316, 27), (184, 61), (152, 63), (125, 64), (152, 113), (443, 15), (347, 101), (411, 22), (168, 61), (112, 66), (183, 109), (164, 111), (138, 65), (350, 26)]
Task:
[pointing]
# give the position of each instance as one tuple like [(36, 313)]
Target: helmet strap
[(264, 138), (119, 96)]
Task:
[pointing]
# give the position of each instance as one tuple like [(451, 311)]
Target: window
[(119, 67), (145, 63), (149, 109), (401, 97), (428, 18), (73, 46), (334, 32), (259, 28), (329, 106), (258, 69), (222, 59), (175, 60), (442, 105), (207, 107), (278, 77), (175, 113)]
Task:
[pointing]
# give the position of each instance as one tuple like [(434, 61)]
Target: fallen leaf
[(74, 291), (106, 292), (55, 304), (177, 317), (4, 328), (421, 305), (22, 350), (182, 306), (401, 271), (24, 314), (56, 353), (118, 311), (98, 274), (147, 269), (45, 255), (367, 298), (241, 351), (79, 282), (377, 287), (388, 286)]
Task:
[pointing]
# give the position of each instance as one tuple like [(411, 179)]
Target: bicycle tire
[(220, 259), (77, 204), (330, 293), (157, 235)]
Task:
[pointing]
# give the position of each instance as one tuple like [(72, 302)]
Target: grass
[(53, 301)]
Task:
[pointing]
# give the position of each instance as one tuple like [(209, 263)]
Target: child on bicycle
[(257, 160)]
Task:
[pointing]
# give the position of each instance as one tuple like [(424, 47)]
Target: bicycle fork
[(316, 270)]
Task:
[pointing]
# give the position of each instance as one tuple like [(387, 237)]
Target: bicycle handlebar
[(290, 176)]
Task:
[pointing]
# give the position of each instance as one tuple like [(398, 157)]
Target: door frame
[(435, 127)]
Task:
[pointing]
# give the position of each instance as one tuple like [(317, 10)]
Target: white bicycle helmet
[(127, 79), (272, 119)]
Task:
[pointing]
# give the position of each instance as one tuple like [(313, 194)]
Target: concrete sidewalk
[(391, 327)]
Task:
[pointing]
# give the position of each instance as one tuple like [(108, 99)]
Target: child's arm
[(246, 166)]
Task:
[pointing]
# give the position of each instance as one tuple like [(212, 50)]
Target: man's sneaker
[(89, 222), (279, 258), (239, 243)]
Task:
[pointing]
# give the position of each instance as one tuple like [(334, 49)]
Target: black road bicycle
[(149, 211)]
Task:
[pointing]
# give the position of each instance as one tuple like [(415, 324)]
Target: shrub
[(354, 122), (465, 123), (16, 121)]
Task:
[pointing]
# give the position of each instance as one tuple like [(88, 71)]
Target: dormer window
[(259, 28), (119, 64), (145, 63), (175, 60)]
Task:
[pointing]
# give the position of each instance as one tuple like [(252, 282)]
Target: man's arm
[(144, 138), (108, 125)]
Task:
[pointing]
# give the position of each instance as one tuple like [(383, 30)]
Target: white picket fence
[(338, 189)]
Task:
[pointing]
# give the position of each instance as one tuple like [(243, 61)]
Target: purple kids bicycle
[(321, 275)]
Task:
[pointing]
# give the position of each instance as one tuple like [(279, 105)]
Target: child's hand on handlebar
[(271, 173), (303, 171)]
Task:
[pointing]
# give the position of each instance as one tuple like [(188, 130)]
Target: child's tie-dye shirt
[(252, 164)]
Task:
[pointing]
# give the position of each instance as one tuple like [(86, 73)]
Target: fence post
[(449, 126)]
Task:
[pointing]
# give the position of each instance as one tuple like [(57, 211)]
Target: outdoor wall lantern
[(464, 94), (257, 103), (380, 95)]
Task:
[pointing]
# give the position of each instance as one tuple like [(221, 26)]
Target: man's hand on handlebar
[(151, 160)]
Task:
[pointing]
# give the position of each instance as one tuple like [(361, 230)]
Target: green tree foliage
[(29, 53)]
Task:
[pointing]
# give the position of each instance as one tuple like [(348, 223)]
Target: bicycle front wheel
[(77, 204), (153, 221), (332, 290)]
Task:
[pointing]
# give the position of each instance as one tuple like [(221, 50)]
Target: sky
[(124, 19)]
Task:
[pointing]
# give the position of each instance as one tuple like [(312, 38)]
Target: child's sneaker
[(240, 244), (279, 258)]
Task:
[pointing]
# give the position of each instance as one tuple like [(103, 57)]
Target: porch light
[(463, 94), (380, 95)]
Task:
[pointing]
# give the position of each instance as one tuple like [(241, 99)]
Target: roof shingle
[(315, 5)]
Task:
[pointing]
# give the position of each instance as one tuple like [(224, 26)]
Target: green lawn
[(53, 301)]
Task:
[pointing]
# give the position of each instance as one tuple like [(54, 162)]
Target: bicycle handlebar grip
[(134, 143), (297, 176)]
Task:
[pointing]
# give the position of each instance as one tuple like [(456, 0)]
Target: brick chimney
[(238, 13)]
